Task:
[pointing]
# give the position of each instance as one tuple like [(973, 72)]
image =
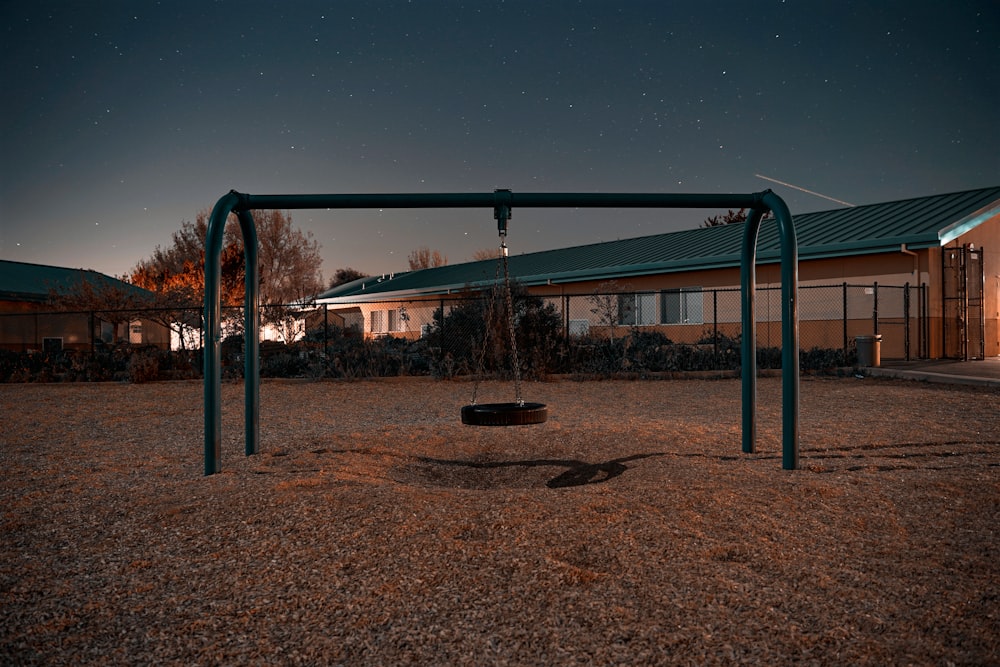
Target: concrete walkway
[(983, 373)]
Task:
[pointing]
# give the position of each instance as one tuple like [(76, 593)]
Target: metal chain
[(481, 362), (510, 323), (501, 213)]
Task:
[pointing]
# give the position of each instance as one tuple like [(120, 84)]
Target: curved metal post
[(789, 332), (748, 342), (213, 330), (251, 334)]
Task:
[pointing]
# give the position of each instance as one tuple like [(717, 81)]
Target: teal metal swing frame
[(758, 204)]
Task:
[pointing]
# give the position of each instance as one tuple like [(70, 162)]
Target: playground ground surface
[(374, 528)]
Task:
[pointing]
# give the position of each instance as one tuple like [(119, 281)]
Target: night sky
[(122, 119)]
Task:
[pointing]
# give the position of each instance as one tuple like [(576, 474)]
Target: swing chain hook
[(501, 210)]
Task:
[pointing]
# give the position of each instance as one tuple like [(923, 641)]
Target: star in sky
[(140, 114)]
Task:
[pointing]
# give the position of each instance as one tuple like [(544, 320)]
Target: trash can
[(869, 350)]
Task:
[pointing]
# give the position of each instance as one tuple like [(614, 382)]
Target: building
[(28, 321), (934, 259)]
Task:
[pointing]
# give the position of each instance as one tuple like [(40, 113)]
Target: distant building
[(28, 320), (940, 254)]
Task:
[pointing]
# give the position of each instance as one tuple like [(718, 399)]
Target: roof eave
[(631, 270), (401, 295), (968, 223), (868, 247), (33, 297), (601, 273)]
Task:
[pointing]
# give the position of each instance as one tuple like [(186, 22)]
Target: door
[(964, 317)]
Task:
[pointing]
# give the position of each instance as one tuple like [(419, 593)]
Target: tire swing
[(518, 413)]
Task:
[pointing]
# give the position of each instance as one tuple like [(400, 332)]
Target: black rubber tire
[(504, 414)]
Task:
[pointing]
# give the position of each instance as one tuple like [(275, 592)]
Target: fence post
[(844, 302), (920, 323), (906, 320), (875, 308), (715, 325), (441, 337), (326, 332), (925, 325), (566, 316)]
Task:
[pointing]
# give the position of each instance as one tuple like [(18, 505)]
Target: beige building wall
[(821, 319), (26, 326)]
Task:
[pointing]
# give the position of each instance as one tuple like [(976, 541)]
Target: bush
[(825, 360), (283, 365), (13, 367), (143, 367), (542, 350), (474, 337)]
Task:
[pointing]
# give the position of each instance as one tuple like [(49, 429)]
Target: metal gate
[(963, 316)]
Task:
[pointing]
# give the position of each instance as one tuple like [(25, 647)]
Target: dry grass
[(375, 529)]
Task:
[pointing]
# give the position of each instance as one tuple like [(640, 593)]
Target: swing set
[(519, 412)]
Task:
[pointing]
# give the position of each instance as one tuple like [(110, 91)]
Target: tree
[(346, 275), (485, 253), (728, 218), (425, 258), (175, 308), (288, 260), (290, 276), (475, 334), (608, 304), (176, 276), (179, 270)]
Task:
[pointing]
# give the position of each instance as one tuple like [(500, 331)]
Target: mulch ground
[(374, 528)]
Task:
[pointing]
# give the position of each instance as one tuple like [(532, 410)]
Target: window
[(393, 320), (626, 309), (52, 344), (636, 309), (135, 332), (378, 321), (645, 309), (107, 333), (682, 306)]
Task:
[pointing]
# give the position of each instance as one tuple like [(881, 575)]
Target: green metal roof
[(20, 281), (923, 222)]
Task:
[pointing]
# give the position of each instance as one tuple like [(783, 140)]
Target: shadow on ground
[(577, 473)]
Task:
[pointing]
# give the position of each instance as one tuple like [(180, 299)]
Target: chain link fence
[(583, 334)]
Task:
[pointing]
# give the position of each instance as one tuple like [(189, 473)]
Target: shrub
[(283, 365), (143, 367), (542, 350), (824, 359), (464, 346)]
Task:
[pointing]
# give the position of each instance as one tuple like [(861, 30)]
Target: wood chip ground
[(375, 529)]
